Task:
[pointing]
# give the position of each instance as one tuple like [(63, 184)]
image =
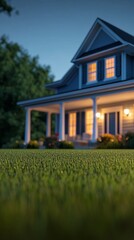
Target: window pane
[(72, 124), (92, 71), (110, 67), (89, 121)]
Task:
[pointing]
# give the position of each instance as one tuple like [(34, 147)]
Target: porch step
[(84, 145)]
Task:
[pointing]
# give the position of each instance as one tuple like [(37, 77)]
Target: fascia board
[(79, 93)]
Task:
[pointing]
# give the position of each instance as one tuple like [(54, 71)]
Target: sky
[(53, 30)]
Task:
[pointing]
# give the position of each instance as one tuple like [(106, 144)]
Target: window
[(112, 123), (89, 121), (92, 72), (72, 124), (110, 67)]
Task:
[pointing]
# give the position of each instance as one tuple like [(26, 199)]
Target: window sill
[(109, 79), (90, 83)]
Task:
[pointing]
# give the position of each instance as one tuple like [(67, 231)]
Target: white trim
[(101, 53), (27, 136), (109, 110), (55, 99), (93, 39), (112, 32), (48, 125), (94, 107), (96, 35), (97, 24), (62, 122)]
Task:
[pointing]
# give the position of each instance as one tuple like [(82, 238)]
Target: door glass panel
[(112, 121)]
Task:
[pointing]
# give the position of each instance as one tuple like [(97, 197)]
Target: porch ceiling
[(87, 102)]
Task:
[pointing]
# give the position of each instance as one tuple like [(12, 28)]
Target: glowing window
[(92, 71), (72, 124), (89, 121), (110, 67)]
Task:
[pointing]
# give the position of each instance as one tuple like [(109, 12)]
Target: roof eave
[(98, 54)]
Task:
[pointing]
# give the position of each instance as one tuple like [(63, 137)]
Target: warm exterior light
[(126, 111), (98, 115)]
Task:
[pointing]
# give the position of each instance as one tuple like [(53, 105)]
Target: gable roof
[(117, 34), (122, 34), (64, 79), (101, 49)]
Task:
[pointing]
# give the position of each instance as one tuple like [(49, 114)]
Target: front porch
[(84, 119)]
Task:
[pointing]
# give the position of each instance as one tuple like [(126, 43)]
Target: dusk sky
[(54, 29)]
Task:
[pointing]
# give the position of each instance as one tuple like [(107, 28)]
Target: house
[(96, 95)]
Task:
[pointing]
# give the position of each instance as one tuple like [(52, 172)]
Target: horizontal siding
[(128, 121), (72, 84)]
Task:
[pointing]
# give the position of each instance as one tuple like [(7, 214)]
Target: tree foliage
[(5, 7), (21, 78)]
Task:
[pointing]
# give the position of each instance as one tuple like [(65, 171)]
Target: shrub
[(19, 144), (33, 144), (107, 137), (65, 145), (51, 142), (129, 140), (109, 141)]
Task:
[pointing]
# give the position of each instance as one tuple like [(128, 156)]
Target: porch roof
[(81, 93)]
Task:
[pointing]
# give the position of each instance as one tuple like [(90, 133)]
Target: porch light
[(98, 115), (126, 111)]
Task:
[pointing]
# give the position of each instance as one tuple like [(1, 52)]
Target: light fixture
[(126, 111), (98, 115)]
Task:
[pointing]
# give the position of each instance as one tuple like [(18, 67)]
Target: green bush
[(129, 140), (33, 144), (65, 145), (109, 141), (107, 137), (51, 142), (19, 144)]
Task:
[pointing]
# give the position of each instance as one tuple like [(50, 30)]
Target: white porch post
[(62, 122), (27, 137), (48, 130), (94, 135)]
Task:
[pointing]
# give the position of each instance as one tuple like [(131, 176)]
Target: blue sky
[(54, 29)]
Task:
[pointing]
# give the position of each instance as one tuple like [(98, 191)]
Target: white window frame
[(109, 110), (114, 77), (93, 81)]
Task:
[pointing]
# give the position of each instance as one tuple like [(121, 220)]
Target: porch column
[(27, 137), (62, 122), (48, 130), (94, 135)]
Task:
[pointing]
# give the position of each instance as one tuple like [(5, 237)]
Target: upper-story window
[(110, 67), (92, 72)]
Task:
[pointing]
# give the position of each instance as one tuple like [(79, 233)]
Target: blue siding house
[(96, 95)]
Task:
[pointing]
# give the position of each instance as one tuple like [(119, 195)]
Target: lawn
[(66, 194)]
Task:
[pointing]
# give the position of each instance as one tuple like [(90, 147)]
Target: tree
[(21, 78), (5, 7)]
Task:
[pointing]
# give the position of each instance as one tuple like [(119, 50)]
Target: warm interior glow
[(110, 67), (89, 121), (126, 111), (72, 124), (92, 71), (98, 114)]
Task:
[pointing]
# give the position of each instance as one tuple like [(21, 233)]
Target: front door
[(112, 123)]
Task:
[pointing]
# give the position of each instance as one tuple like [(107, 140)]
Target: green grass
[(66, 194)]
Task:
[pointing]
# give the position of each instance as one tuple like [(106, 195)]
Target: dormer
[(106, 55)]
